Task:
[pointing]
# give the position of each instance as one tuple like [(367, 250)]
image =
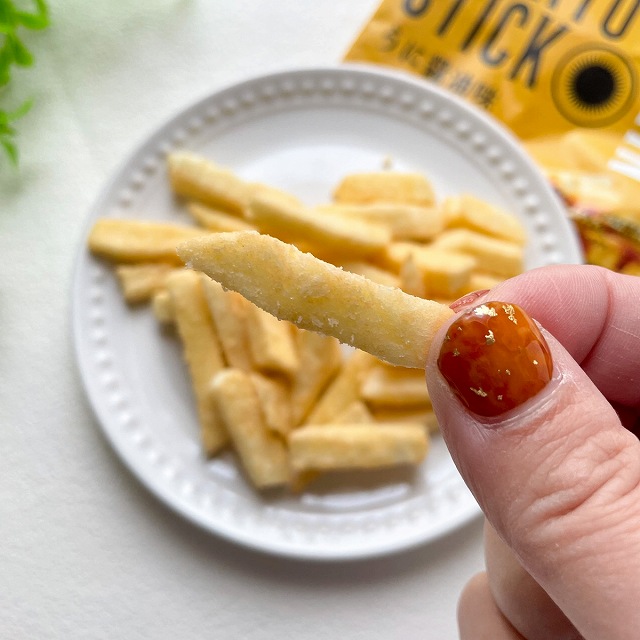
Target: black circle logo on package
[(593, 86)]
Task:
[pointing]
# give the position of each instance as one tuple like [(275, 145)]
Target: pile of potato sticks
[(292, 403)]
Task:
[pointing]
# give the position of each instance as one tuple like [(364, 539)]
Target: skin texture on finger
[(559, 477), (478, 616), (520, 598)]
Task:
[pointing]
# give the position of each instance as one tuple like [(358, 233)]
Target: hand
[(557, 475)]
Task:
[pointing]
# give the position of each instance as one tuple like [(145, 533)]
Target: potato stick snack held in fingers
[(317, 296), (371, 271)]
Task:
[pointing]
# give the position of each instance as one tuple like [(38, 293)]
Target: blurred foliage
[(13, 52)]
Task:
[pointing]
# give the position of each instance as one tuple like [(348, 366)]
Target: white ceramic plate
[(301, 131)]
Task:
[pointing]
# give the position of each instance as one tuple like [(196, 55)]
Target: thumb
[(547, 458)]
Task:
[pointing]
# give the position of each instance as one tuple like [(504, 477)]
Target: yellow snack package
[(563, 75)]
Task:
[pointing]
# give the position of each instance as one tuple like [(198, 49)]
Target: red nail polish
[(495, 358)]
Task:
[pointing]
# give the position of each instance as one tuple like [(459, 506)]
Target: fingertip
[(478, 615)]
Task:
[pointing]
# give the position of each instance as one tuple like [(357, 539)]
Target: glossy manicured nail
[(495, 358)]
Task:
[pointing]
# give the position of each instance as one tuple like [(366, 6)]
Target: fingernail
[(495, 358), (467, 300)]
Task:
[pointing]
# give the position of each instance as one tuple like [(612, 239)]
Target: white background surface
[(85, 550)]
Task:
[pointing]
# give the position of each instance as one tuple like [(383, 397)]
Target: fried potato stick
[(343, 389), (357, 446), (425, 417), (355, 413), (122, 240), (216, 220), (443, 271), (473, 213), (396, 387), (201, 351), (139, 282), (320, 358), (411, 278), (271, 343), (329, 233), (404, 221), (163, 307), (229, 312), (385, 186), (500, 257), (381, 276), (197, 178), (275, 402), (479, 281), (317, 296), (262, 453)]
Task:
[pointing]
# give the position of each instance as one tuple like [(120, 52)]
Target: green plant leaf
[(11, 150), (6, 59), (7, 17), (37, 20), (5, 75), (22, 110), (21, 55), (5, 128), (13, 51)]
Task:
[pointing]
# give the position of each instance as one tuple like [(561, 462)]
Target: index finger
[(594, 313)]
